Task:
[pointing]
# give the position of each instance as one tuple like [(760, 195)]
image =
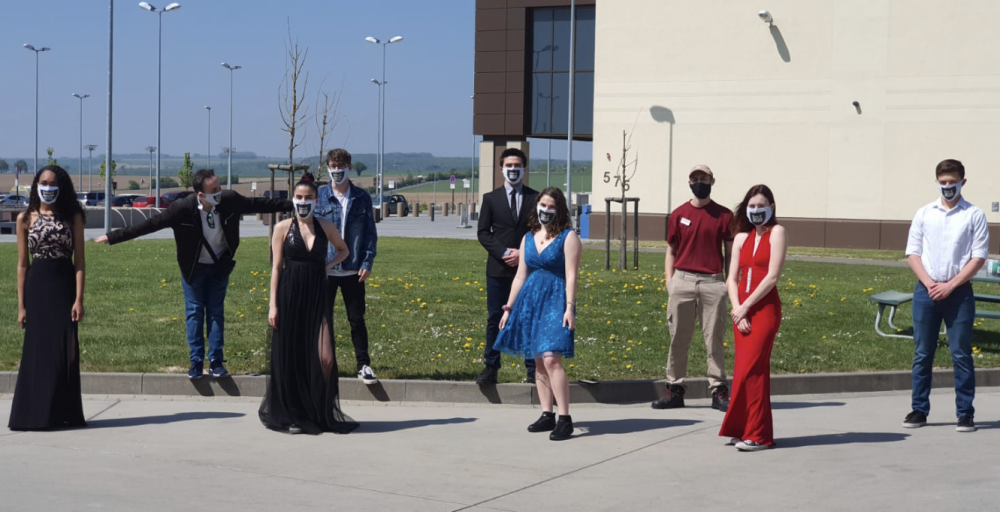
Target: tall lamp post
[(90, 169), (209, 109), (475, 196), (37, 51), (229, 172), (75, 95), (381, 149), (151, 149), (378, 143), (159, 80)]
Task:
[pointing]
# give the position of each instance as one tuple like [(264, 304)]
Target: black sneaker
[(563, 429), (197, 370), (218, 371), (487, 376), (965, 424), (916, 419), (544, 424), (720, 398), (672, 399)]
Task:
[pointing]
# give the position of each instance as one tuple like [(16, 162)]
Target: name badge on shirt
[(686, 222)]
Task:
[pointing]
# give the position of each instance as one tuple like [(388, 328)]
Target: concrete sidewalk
[(836, 452)]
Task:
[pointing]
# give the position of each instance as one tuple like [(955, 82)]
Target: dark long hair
[(308, 180), (66, 207), (740, 222), (561, 220)]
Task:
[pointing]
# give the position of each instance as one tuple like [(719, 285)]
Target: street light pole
[(90, 169), (151, 149), (381, 148), (159, 81), (475, 197), (37, 51), (75, 95), (229, 173), (209, 109), (378, 144)]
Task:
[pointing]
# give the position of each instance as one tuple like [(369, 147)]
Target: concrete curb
[(616, 392)]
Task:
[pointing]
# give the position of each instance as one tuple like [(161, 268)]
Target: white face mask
[(545, 216), (759, 216), (48, 193), (338, 176), (304, 207), (513, 174), (213, 199), (948, 192)]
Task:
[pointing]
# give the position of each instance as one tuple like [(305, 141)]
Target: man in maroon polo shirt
[(698, 231)]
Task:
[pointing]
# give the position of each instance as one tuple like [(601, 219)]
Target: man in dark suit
[(206, 228), (503, 222)]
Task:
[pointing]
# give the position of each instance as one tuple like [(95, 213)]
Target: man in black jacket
[(503, 222), (206, 228)]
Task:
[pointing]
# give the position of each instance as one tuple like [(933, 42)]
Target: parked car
[(397, 199), (122, 201), (144, 202), (280, 194), (90, 198), (170, 197), (15, 200)]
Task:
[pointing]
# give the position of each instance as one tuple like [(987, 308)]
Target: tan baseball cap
[(700, 168)]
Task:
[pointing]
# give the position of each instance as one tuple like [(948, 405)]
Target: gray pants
[(703, 295)]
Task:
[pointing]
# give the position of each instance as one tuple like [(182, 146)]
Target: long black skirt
[(47, 394), (303, 388)]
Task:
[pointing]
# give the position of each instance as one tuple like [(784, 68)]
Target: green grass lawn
[(427, 315)]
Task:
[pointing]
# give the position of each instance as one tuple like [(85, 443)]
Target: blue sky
[(430, 73)]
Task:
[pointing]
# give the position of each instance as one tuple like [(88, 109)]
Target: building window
[(549, 77)]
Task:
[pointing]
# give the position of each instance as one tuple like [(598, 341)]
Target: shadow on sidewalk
[(373, 427), (840, 438), (803, 405), (628, 426), (161, 420)]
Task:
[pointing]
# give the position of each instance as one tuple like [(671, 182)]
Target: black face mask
[(701, 190)]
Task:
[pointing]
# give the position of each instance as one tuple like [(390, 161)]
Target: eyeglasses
[(211, 221)]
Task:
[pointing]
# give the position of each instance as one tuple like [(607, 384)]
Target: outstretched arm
[(151, 225)]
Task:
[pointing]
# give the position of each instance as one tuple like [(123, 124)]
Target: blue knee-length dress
[(535, 326)]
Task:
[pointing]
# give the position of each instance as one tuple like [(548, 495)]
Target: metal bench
[(992, 315), (893, 299), (995, 299)]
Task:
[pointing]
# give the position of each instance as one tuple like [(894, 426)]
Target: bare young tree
[(327, 116), (291, 98)]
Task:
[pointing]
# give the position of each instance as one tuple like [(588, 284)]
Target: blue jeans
[(497, 293), (958, 313), (204, 296)]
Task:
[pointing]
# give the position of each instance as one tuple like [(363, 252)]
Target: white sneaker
[(750, 446), (733, 441), (366, 375)]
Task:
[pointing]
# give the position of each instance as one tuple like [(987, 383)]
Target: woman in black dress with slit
[(303, 389), (50, 278)]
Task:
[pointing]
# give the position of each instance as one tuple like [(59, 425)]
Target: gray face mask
[(214, 199), (48, 193), (950, 192), (759, 216)]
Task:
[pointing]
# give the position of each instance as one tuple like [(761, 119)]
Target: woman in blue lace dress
[(540, 315)]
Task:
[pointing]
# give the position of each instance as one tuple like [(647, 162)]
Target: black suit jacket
[(498, 230), (185, 219)]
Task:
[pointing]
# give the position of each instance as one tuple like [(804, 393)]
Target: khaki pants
[(704, 295)]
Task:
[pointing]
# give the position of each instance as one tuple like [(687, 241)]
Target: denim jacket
[(359, 232)]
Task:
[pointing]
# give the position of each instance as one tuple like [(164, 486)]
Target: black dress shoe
[(487, 376), (563, 429), (672, 399), (720, 398), (544, 424)]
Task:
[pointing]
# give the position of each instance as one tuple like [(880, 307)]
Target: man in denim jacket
[(350, 209)]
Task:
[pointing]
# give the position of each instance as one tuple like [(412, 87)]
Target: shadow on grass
[(373, 427), (803, 405), (628, 426), (840, 438), (162, 420)]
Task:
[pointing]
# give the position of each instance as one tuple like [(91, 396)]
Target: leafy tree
[(185, 174), (224, 180), (133, 185), (168, 182), (4, 166), (114, 167), (52, 161), (360, 167), (21, 166)]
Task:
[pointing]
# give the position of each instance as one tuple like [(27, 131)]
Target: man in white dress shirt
[(947, 245)]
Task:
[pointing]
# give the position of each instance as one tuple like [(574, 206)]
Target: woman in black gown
[(303, 389), (50, 305)]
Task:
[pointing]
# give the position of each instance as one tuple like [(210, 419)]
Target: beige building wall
[(706, 81)]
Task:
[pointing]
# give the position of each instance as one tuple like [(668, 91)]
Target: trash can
[(585, 221)]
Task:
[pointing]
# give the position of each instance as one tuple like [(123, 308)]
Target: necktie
[(513, 204)]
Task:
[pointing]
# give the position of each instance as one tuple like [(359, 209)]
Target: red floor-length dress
[(749, 414)]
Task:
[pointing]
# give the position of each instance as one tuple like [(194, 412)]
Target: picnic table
[(893, 299)]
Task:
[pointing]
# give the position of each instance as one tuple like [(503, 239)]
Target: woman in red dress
[(760, 243)]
